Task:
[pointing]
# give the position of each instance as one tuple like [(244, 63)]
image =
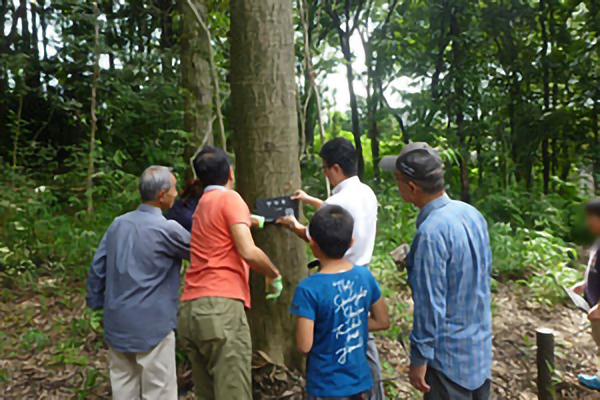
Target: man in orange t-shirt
[(212, 319)]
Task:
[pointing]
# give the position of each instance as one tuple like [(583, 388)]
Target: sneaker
[(590, 381)]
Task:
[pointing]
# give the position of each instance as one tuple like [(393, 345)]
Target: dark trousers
[(443, 388)]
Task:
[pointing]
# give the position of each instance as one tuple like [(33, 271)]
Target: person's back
[(464, 340), (333, 307), (142, 278), (134, 277), (360, 201), (216, 268), (339, 304), (212, 325), (449, 272)]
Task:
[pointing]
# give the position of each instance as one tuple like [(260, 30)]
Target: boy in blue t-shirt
[(333, 308)]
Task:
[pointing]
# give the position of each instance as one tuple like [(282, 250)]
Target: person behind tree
[(134, 277), (339, 166), (212, 321), (590, 286), (333, 312), (449, 272), (183, 209)]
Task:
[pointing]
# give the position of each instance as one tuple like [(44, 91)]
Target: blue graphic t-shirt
[(339, 305)]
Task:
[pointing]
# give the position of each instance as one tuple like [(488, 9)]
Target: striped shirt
[(449, 270)]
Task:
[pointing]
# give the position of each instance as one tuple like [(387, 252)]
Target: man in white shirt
[(339, 166)]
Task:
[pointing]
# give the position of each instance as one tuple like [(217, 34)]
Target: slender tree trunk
[(546, 72), (596, 151), (3, 78), (17, 131), (372, 104), (195, 71), (96, 76), (110, 35), (25, 34), (263, 93), (44, 27), (457, 61), (345, 45), (34, 54)]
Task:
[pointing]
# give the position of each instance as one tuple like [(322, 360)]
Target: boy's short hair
[(331, 228), (340, 151), (592, 207), (212, 166)]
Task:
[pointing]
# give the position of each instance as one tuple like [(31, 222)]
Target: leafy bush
[(45, 231), (535, 258), (555, 214)]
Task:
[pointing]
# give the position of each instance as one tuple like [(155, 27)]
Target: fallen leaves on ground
[(49, 351)]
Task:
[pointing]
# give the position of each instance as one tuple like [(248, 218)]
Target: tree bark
[(263, 93), (44, 27), (596, 151), (345, 45), (96, 76), (344, 38), (3, 78), (457, 65), (195, 71), (546, 72), (25, 34)]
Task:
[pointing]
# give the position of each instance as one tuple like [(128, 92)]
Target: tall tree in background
[(263, 91), (546, 83), (195, 73), (346, 18)]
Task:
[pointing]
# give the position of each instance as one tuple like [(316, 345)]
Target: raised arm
[(257, 258), (96, 281), (292, 224), (306, 199)]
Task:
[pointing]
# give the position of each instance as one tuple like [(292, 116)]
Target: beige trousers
[(145, 376)]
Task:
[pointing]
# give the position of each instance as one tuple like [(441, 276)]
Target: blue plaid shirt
[(449, 269)]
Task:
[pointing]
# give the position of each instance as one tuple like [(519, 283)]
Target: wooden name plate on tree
[(276, 207)]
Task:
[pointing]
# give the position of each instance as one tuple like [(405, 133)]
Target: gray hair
[(154, 180)]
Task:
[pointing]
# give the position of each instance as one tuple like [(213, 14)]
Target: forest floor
[(49, 351)]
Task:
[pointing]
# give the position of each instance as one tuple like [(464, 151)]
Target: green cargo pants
[(215, 334)]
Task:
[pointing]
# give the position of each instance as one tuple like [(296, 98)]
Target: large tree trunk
[(195, 71), (263, 93)]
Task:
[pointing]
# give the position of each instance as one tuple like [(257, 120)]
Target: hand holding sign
[(276, 207)]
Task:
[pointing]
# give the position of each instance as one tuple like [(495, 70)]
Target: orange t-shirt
[(217, 269)]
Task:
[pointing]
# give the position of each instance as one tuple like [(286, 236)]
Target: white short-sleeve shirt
[(360, 201)]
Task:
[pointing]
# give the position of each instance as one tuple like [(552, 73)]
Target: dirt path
[(516, 317), (48, 350)]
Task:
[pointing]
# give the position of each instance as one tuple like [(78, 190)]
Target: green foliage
[(535, 258), (45, 230)]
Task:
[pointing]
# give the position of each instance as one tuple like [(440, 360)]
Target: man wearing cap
[(449, 269), (339, 166)]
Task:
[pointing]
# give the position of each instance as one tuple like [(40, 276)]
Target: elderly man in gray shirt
[(135, 277)]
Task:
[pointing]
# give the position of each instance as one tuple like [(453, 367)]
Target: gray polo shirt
[(135, 277)]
